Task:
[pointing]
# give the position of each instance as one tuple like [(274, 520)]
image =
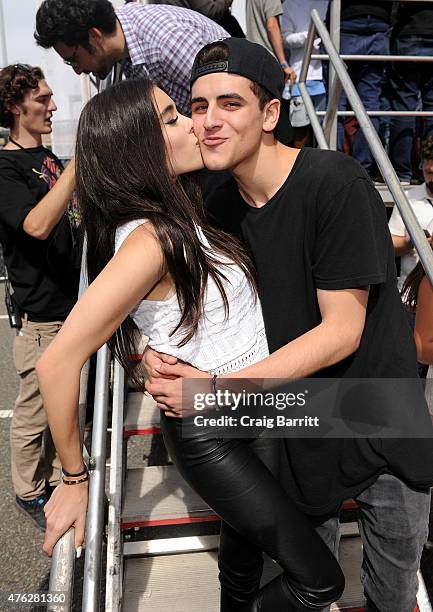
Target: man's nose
[(212, 118), (52, 106)]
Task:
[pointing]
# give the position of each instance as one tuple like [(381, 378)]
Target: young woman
[(191, 290)]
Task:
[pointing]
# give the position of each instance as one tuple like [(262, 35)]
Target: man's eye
[(232, 104), (199, 108), (172, 121)]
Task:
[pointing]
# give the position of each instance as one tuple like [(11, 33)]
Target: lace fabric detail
[(220, 345)]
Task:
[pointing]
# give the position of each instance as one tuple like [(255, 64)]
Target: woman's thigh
[(239, 487)]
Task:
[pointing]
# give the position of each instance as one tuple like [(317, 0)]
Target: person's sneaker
[(33, 509)]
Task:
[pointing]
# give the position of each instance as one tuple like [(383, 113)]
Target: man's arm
[(335, 338), (424, 322), (274, 34), (49, 210), (402, 244), (214, 9), (132, 273)]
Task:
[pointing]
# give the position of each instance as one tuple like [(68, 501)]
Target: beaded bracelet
[(75, 482)]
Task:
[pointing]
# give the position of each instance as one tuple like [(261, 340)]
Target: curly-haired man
[(38, 241)]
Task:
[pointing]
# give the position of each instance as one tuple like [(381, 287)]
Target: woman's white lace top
[(220, 344)]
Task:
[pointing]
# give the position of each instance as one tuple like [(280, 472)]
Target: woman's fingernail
[(79, 549)]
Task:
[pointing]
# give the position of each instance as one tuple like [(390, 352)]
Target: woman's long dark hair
[(409, 291), (122, 175)]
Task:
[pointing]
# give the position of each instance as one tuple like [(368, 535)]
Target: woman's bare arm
[(126, 279)]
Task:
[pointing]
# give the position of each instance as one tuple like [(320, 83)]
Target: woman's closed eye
[(172, 121)]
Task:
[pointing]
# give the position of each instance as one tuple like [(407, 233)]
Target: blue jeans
[(393, 523), (411, 89), (363, 36)]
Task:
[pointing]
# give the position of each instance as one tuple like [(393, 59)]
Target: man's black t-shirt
[(44, 273), (326, 228)]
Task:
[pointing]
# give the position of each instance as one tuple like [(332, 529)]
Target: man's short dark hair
[(427, 149), (69, 21), (15, 81), (219, 52)]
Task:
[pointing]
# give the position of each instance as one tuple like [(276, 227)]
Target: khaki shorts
[(298, 113)]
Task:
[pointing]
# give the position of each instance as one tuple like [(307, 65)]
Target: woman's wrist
[(76, 478), (74, 468), (77, 481), (81, 472)]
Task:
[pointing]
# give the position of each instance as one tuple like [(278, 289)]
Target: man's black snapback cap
[(246, 59)]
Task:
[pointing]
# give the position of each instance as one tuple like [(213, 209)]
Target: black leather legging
[(235, 479)]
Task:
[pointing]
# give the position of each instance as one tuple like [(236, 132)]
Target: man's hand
[(290, 74), (152, 362), (66, 508), (166, 389)]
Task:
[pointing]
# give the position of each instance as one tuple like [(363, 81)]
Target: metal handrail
[(113, 594), (376, 58), (381, 113), (63, 559), (415, 232), (95, 512)]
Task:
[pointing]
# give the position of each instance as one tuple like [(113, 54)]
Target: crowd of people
[(258, 257)]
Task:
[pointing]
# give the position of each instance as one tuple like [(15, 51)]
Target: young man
[(38, 244), (317, 231), (159, 42)]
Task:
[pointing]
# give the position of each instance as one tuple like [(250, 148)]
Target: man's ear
[(96, 38), (271, 115), (15, 110)]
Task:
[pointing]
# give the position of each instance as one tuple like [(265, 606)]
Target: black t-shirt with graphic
[(326, 228), (44, 273)]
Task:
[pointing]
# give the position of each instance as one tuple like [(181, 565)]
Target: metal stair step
[(189, 582), (141, 415), (158, 495)]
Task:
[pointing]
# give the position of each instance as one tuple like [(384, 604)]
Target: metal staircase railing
[(343, 80)]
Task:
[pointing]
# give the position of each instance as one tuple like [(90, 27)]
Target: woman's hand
[(66, 508), (152, 362), (166, 389)]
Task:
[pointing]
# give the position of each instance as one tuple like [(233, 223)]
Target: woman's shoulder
[(124, 230)]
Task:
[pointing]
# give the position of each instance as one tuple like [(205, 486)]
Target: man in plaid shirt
[(156, 41)]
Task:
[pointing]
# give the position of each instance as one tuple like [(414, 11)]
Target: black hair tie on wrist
[(69, 475)]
